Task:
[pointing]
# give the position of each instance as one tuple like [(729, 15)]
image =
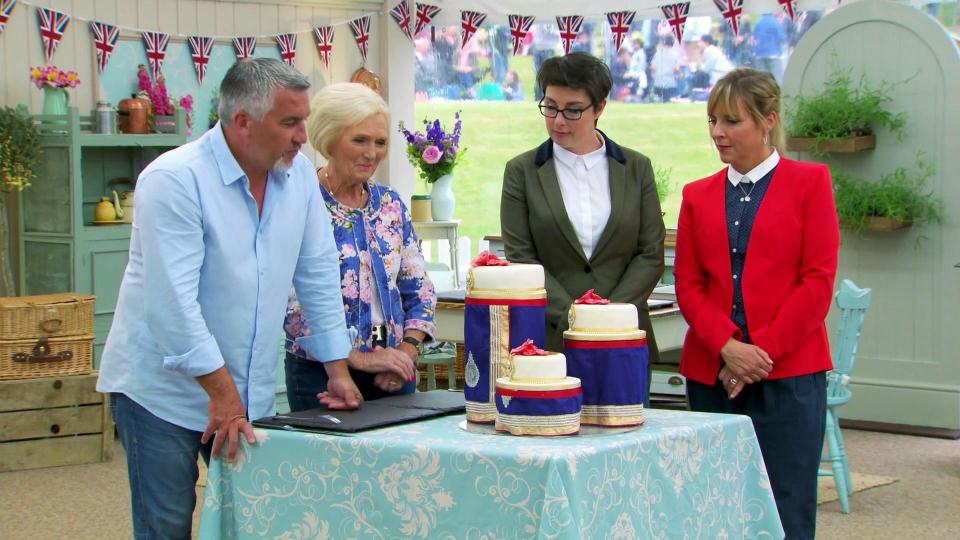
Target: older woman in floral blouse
[(388, 299)]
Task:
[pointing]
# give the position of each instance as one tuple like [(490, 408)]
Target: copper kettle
[(134, 113)]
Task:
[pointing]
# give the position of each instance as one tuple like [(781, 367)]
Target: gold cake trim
[(507, 294), (603, 335), (564, 384)]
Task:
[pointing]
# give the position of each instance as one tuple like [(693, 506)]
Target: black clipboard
[(383, 412)]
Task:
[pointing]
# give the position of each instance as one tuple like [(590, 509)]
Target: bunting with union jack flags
[(288, 47), (519, 28), (52, 26), (470, 22), (425, 14), (620, 22), (156, 44), (360, 28), (569, 28), (676, 15), (200, 49), (731, 10), (6, 7), (790, 8), (245, 47), (401, 14), (104, 40), (324, 37)]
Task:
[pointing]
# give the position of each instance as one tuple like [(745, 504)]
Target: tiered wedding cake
[(505, 304), (538, 398), (607, 351)]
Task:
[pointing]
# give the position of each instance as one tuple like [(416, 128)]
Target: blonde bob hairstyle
[(759, 93), (337, 107)]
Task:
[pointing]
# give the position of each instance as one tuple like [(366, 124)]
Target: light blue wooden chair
[(853, 303)]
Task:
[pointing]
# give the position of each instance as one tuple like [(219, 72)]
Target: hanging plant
[(897, 199)]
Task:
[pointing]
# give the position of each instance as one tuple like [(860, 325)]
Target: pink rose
[(432, 154)]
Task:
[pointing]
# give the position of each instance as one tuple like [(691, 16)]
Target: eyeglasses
[(551, 112)]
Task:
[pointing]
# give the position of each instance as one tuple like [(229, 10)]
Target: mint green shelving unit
[(61, 250)]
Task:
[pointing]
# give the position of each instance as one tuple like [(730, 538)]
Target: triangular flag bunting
[(519, 28), (245, 47), (620, 22), (6, 7), (361, 33), (324, 37), (676, 15), (569, 28), (200, 49), (156, 43), (470, 22), (401, 14), (790, 8), (425, 14), (288, 47), (104, 40), (731, 11), (52, 26)]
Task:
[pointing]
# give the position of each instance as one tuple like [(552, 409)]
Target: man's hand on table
[(227, 417), (342, 393)]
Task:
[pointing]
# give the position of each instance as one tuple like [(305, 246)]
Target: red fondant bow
[(528, 349), (591, 297), (489, 259)]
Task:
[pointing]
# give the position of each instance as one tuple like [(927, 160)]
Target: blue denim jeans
[(162, 469)]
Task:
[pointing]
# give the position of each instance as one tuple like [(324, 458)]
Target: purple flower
[(432, 154)]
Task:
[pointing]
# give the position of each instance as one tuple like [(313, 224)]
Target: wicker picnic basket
[(46, 335)]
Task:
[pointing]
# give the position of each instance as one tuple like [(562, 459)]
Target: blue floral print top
[(378, 248)]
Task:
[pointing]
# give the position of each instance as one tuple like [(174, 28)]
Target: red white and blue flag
[(569, 28), (401, 14), (200, 49), (425, 14), (104, 40), (324, 37), (519, 28), (52, 26), (245, 47), (470, 22), (361, 33), (288, 47), (620, 22), (156, 44), (790, 8), (676, 15), (6, 7), (731, 10)]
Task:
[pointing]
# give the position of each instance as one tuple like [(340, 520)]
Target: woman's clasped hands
[(743, 364)]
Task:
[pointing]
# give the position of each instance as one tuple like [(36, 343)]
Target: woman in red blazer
[(756, 259)]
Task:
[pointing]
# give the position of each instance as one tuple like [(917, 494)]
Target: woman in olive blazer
[(626, 258)]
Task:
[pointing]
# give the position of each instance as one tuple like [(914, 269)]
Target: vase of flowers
[(434, 153), (54, 83)]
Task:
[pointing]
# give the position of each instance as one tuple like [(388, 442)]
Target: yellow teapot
[(125, 206), (107, 211)]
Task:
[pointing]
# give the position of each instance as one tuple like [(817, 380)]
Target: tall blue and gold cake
[(505, 304), (537, 397), (608, 352)]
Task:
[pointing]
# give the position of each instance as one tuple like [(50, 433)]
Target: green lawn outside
[(673, 135)]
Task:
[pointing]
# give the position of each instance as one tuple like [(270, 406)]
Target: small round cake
[(600, 321), (506, 280), (538, 398)]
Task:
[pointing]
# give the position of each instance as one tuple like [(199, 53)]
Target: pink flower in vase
[(432, 154)]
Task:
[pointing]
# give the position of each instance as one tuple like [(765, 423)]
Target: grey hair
[(250, 83)]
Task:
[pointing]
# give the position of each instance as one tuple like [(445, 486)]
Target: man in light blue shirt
[(223, 225)]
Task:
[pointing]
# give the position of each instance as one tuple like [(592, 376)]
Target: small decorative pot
[(420, 208), (55, 100)]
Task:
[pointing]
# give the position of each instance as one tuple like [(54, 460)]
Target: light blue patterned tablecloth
[(682, 475)]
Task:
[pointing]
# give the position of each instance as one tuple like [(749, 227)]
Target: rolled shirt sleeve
[(317, 284)]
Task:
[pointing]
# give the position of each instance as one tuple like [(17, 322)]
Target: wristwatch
[(411, 340)]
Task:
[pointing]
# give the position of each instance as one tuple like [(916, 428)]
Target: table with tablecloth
[(681, 475)]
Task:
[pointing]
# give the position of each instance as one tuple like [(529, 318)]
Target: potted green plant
[(841, 118), (20, 155), (896, 200)]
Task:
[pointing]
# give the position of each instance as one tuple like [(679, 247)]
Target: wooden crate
[(54, 421)]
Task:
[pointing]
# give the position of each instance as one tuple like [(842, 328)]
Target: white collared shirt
[(585, 187), (755, 174)]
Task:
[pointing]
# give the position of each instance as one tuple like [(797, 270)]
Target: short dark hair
[(579, 71), (708, 39)]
